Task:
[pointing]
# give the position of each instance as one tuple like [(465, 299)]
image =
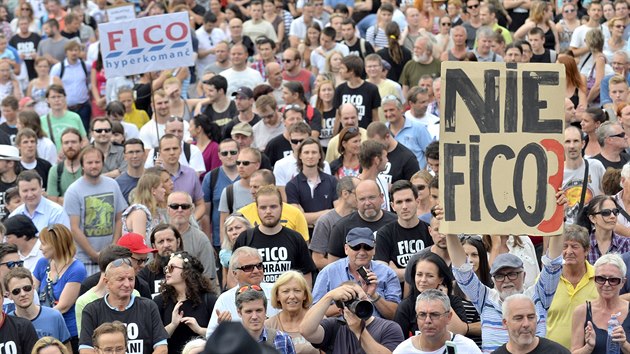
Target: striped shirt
[(488, 303), (376, 36)]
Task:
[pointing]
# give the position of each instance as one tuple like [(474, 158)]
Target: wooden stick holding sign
[(501, 150)]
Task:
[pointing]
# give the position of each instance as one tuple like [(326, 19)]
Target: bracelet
[(377, 298), (467, 328)]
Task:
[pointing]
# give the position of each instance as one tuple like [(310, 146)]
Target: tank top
[(452, 57), (575, 98), (601, 335), (565, 36), (550, 39)]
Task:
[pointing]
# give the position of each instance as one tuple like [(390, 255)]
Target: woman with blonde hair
[(324, 104), (142, 215), (58, 276), (616, 26), (291, 294), (333, 63), (594, 67), (234, 225), (541, 16), (52, 346), (421, 180)]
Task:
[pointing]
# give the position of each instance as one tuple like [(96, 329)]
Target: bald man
[(349, 118)]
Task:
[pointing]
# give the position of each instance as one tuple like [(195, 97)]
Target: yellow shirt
[(137, 117), (565, 300), (291, 217)]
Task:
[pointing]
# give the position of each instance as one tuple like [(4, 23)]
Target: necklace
[(58, 271), (73, 170)]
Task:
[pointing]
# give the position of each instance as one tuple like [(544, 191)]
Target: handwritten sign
[(501, 151), (121, 13)]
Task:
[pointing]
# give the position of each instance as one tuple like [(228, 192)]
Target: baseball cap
[(505, 260), (243, 128), (20, 225), (26, 101), (8, 152), (135, 243), (243, 91), (360, 235)]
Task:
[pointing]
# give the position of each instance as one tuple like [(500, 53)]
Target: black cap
[(20, 225)]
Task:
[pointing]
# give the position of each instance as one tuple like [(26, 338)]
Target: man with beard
[(95, 205), (422, 64), (508, 276), (575, 168), (519, 318), (369, 214), (64, 173), (281, 248), (165, 239)]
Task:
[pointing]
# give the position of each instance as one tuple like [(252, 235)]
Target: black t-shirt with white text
[(402, 164), (338, 235), (28, 47), (17, 335), (365, 98), (277, 149), (281, 252), (397, 244)]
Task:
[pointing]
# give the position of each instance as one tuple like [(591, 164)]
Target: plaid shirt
[(282, 342), (618, 244), (259, 66)]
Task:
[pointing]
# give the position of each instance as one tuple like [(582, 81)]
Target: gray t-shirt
[(97, 206), (242, 197), (55, 49), (322, 230), (264, 133), (197, 244), (572, 186)]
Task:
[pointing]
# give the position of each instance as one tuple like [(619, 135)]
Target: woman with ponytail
[(394, 54)]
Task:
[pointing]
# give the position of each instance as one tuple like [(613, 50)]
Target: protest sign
[(146, 44), (501, 150), (121, 13)]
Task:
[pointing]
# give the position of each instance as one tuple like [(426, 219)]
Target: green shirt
[(59, 124), (67, 179)]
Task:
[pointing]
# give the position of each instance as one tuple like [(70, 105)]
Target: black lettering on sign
[(485, 112), (451, 178), (532, 105), (536, 216), (475, 210), (486, 173)]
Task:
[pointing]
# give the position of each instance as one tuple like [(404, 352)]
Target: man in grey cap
[(508, 276), (21, 232), (243, 134), (381, 286)]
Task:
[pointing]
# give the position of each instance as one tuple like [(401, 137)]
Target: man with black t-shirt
[(9, 107), (398, 241), (26, 43), (26, 141), (17, 335), (280, 146), (357, 46), (145, 332), (217, 106), (281, 248), (244, 99), (402, 163), (613, 141), (360, 93), (369, 214), (165, 239)]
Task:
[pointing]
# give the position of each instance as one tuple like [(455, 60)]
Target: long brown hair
[(392, 31), (572, 73)]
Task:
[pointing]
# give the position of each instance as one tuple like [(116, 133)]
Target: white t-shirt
[(319, 60), (236, 79), (463, 345), (286, 168), (196, 159), (148, 133)]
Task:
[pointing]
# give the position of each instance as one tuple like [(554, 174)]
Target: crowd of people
[(282, 194)]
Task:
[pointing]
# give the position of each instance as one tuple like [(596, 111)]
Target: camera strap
[(452, 339)]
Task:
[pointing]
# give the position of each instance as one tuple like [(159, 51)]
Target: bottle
[(612, 347)]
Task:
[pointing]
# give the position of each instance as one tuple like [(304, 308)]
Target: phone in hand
[(363, 273)]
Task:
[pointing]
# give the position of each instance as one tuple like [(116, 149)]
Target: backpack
[(229, 190), (63, 69)]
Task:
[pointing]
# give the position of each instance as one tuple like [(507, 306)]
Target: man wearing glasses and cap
[(145, 331)]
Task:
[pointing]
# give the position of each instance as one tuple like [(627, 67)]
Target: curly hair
[(197, 284)]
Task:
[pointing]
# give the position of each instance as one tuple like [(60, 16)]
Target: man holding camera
[(376, 279), (366, 335)]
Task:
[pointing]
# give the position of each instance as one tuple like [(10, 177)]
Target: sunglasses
[(118, 262), (140, 260), (361, 246), (228, 152), (101, 131), (244, 163), (472, 6), (296, 141), (176, 206), (169, 268), (25, 288), (447, 24), (613, 281), (421, 187), (607, 212), (568, 11), (249, 287), (250, 267), (620, 135), (13, 264), (175, 118)]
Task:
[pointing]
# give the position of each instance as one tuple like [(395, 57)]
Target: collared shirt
[(186, 180), (46, 213), (74, 81), (30, 260), (115, 159), (566, 299), (414, 136), (338, 272), (259, 65), (488, 302), (312, 198), (282, 342), (618, 244)]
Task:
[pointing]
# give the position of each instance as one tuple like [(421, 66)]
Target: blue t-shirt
[(50, 322), (74, 274)]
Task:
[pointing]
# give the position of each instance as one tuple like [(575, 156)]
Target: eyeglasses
[(101, 131), (620, 135), (287, 60), (244, 163), (353, 130), (117, 350), (13, 264), (169, 268), (606, 212), (250, 267), (434, 316), (25, 288), (420, 187), (360, 246), (472, 6), (296, 141), (447, 24), (118, 262), (176, 206), (228, 152), (510, 276), (249, 287), (139, 260), (613, 281)]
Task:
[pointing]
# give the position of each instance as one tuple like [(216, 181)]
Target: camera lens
[(362, 308)]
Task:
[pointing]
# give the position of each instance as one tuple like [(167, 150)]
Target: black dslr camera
[(361, 308)]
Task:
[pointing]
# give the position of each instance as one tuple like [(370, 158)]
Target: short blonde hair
[(45, 342), (283, 280)]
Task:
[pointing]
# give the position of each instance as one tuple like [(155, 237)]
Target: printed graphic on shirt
[(8, 348), (275, 262), (356, 101), (573, 191), (406, 249), (134, 345), (99, 215)]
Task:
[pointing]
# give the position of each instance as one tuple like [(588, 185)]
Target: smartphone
[(363, 273), (451, 348)]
